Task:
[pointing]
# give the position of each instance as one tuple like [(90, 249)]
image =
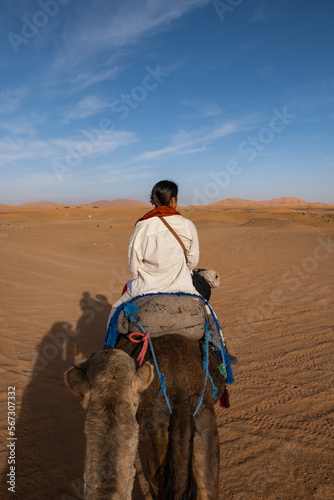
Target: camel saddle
[(163, 314)]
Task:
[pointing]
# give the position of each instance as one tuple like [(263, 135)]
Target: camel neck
[(110, 457)]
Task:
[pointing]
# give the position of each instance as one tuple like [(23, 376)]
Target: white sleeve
[(135, 257), (193, 250)]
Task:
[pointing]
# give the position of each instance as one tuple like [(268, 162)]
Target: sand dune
[(61, 269), (40, 204), (290, 202), (117, 203), (4, 207)]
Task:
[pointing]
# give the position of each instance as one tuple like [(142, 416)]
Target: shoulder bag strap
[(175, 234)]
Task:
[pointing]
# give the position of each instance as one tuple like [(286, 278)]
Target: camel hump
[(163, 314)]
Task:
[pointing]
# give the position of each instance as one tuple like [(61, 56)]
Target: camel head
[(109, 381), (110, 388)]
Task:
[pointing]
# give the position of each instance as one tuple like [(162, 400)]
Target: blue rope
[(162, 378), (206, 369), (129, 310), (112, 332), (226, 359)]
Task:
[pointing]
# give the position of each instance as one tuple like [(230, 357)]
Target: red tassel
[(144, 338), (224, 401)]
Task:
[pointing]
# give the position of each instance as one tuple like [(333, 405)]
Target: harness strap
[(174, 234), (162, 378)]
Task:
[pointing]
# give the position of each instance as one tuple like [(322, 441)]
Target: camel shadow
[(50, 446)]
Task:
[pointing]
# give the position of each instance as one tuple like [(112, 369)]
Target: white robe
[(156, 259)]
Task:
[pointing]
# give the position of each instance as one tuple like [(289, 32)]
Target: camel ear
[(77, 381), (143, 377)]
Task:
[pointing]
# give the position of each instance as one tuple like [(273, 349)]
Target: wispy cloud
[(200, 109), (88, 106), (18, 127), (266, 10), (189, 142), (111, 141), (312, 102), (101, 44), (15, 149), (101, 30), (108, 174), (10, 99), (24, 124), (125, 176), (85, 79), (269, 72), (115, 170)]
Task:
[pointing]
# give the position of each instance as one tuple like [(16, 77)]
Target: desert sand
[(62, 268)]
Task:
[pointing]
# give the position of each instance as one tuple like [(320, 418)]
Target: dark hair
[(163, 192)]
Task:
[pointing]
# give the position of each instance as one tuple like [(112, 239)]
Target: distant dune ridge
[(40, 204), (118, 203), (276, 202), (288, 202)]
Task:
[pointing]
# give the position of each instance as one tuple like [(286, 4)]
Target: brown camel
[(179, 451)]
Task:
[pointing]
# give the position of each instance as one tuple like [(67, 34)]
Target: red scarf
[(161, 211)]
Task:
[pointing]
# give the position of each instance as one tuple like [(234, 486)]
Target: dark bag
[(201, 285)]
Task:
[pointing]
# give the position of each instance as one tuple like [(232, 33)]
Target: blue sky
[(100, 100)]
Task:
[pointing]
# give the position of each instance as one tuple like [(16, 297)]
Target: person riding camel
[(163, 254), (157, 262)]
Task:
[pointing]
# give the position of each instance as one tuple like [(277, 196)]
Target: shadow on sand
[(50, 447)]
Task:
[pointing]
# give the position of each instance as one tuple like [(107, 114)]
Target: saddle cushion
[(164, 314)]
